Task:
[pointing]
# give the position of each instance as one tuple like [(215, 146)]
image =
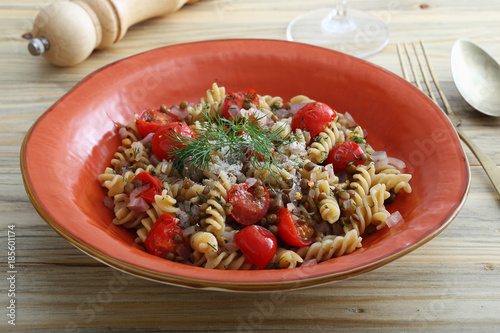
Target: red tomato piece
[(344, 154), (293, 231), (313, 117), (165, 236), (257, 244), (155, 186), (247, 207), (239, 99), (151, 120), (163, 145)]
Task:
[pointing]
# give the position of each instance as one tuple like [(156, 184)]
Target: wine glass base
[(357, 33)]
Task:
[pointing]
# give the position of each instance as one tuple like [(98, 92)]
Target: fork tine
[(447, 105), (424, 75), (401, 63), (412, 67)]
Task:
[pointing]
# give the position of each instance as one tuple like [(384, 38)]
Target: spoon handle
[(489, 166)]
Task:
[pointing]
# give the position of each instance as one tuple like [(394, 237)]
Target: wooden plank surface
[(450, 284)]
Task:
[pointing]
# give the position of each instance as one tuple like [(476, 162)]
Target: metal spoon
[(477, 76)]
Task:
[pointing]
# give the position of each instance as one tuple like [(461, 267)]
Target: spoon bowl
[(477, 76)]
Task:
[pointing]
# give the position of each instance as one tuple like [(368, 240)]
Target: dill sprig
[(241, 139)]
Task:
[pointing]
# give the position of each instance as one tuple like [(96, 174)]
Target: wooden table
[(450, 284)]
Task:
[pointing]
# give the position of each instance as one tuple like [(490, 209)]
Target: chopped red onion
[(343, 176), (310, 262), (397, 163), (283, 113), (180, 113), (380, 159), (251, 182), (108, 202), (350, 120), (291, 206), (344, 130), (183, 219), (189, 231), (230, 246), (296, 107), (329, 170), (137, 204), (195, 209), (291, 196), (185, 206), (148, 138), (348, 204), (378, 155), (312, 193), (122, 132), (164, 166), (234, 111), (394, 219), (183, 251), (154, 160), (313, 177), (138, 150)]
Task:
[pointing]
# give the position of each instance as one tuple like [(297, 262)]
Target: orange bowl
[(73, 142)]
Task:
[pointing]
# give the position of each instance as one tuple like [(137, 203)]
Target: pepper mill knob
[(38, 45), (66, 33)]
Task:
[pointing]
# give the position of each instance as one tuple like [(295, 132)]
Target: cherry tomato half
[(242, 99), (249, 207), (344, 154), (293, 231), (313, 117), (257, 244), (165, 236), (163, 144), (155, 186), (151, 120)]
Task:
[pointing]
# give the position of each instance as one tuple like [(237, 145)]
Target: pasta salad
[(248, 181)]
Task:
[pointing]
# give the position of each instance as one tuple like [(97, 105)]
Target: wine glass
[(350, 31)]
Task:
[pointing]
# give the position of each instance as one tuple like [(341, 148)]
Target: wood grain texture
[(450, 284)]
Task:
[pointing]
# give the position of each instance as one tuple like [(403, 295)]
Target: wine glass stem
[(340, 7)]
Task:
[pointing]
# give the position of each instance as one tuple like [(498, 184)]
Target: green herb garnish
[(238, 140)]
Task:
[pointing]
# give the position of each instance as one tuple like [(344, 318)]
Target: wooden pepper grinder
[(66, 33)]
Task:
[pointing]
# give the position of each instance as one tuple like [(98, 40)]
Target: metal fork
[(491, 169)]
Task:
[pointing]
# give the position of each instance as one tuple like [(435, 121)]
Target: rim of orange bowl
[(287, 280)]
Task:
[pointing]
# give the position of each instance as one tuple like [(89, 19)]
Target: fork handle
[(489, 166)]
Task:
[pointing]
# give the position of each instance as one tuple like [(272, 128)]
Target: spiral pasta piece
[(287, 258), (269, 102), (371, 211), (301, 99), (275, 176), (204, 242), (393, 179), (324, 142), (123, 215), (166, 203), (362, 181), (217, 216), (326, 202), (303, 136), (331, 246), (211, 105), (113, 182), (224, 260)]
